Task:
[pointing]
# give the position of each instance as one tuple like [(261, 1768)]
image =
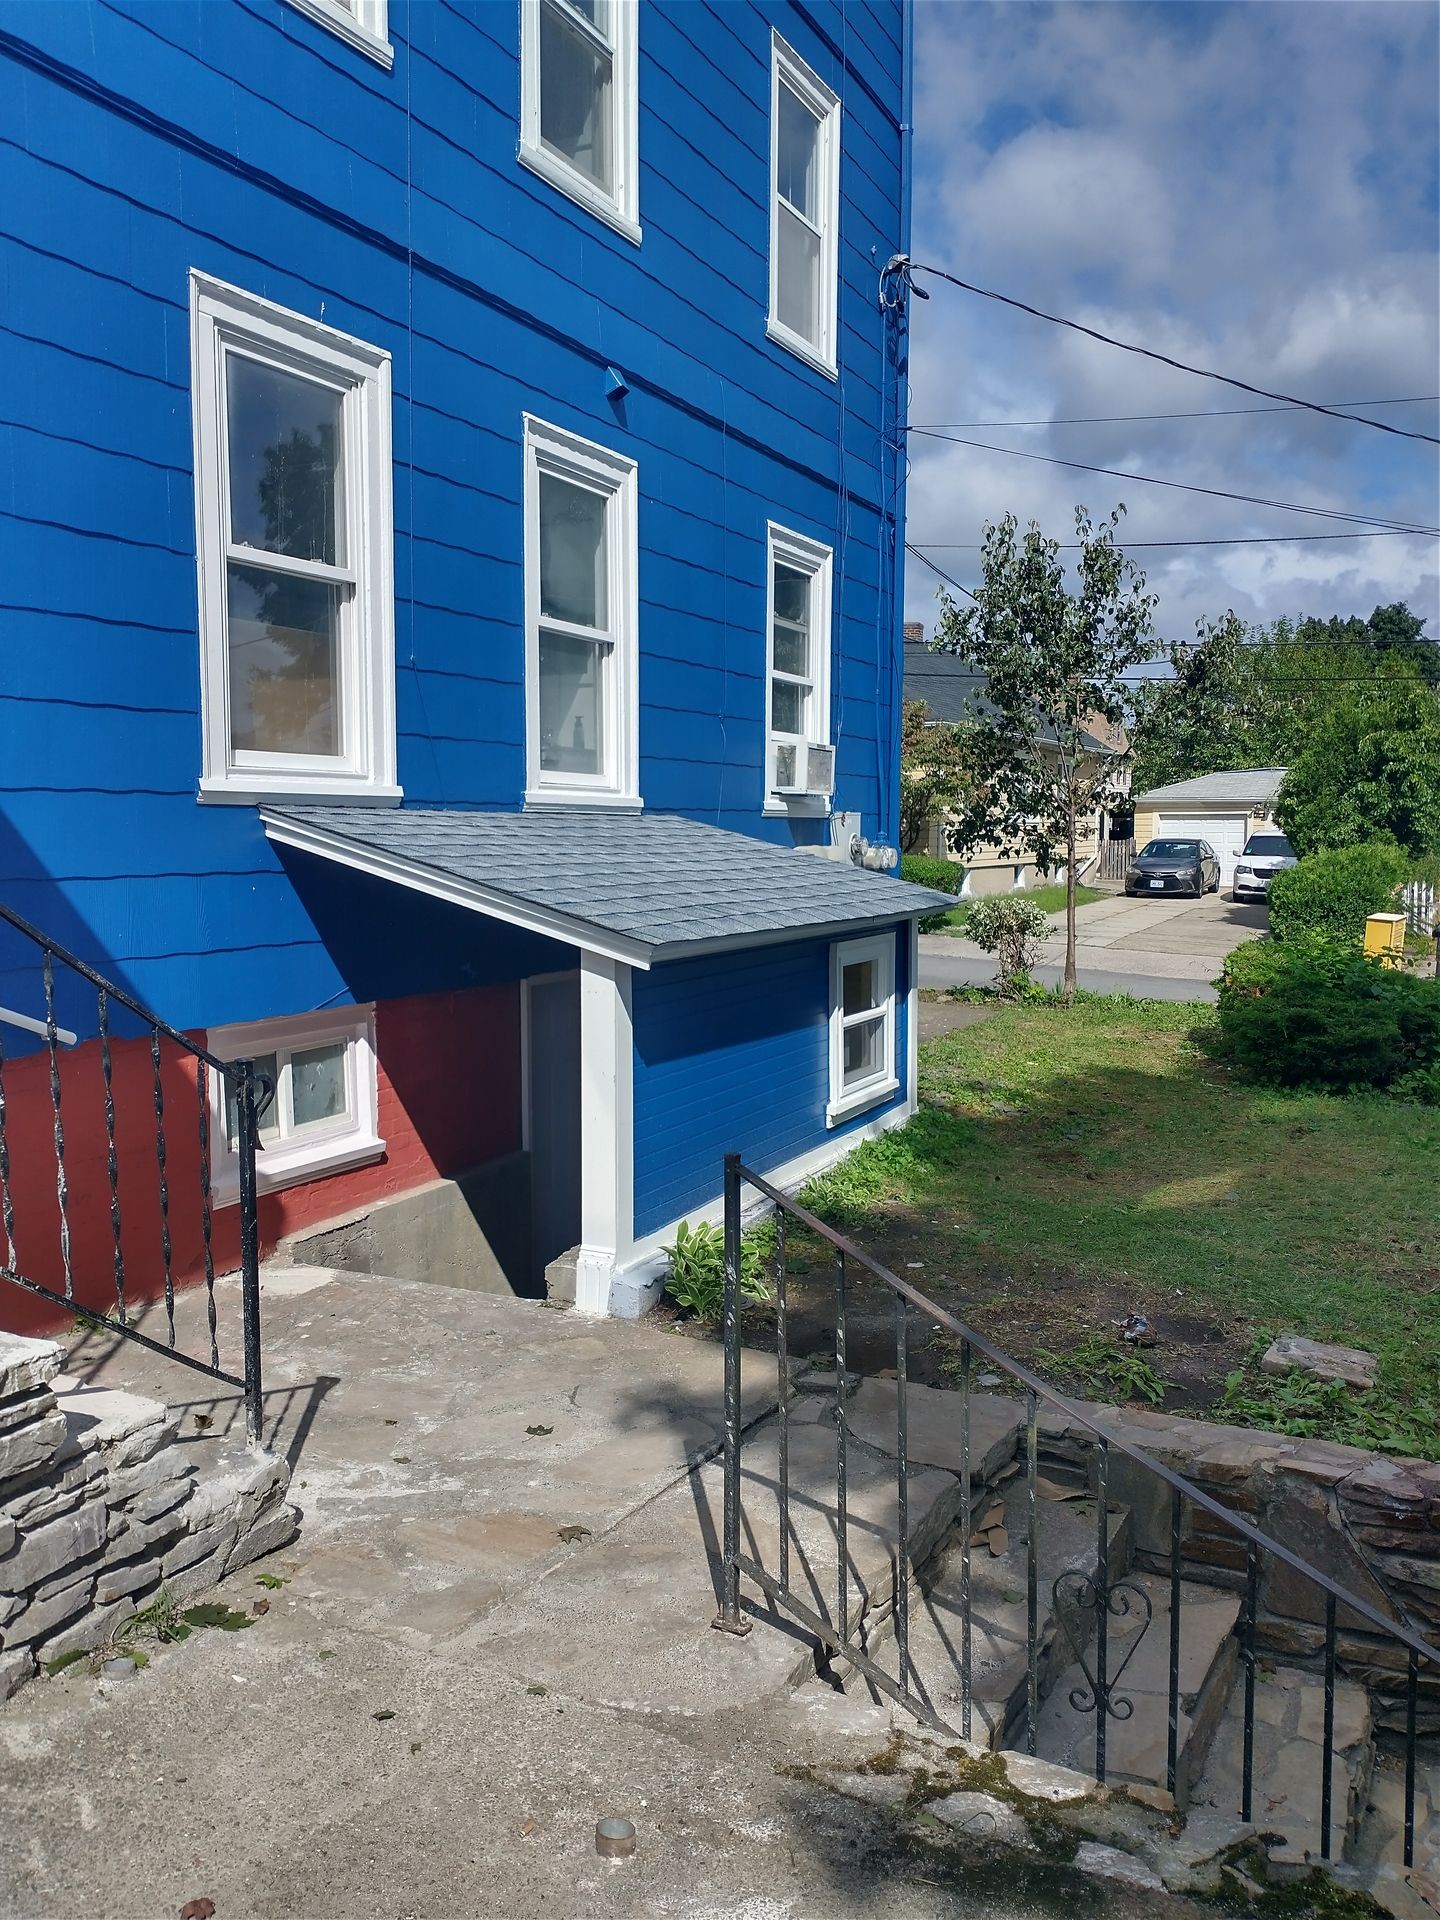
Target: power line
[(1241, 540), (1181, 486), (948, 578), (1207, 413), (1181, 366)]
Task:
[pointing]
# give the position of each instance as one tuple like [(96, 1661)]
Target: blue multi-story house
[(452, 498)]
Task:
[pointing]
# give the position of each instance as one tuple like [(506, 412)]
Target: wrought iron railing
[(1079, 1590), (177, 1222)]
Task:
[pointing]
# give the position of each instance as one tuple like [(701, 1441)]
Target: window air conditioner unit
[(805, 768)]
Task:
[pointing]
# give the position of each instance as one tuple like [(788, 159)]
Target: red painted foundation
[(449, 1099)]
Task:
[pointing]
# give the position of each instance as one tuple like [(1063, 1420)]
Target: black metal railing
[(1076, 1593), (39, 1234)]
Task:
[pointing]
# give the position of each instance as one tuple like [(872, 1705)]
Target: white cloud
[(1247, 188)]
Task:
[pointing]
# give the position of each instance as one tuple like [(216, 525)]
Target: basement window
[(862, 1025), (323, 1116)]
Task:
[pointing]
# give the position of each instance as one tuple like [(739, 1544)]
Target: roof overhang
[(356, 838), (453, 888)]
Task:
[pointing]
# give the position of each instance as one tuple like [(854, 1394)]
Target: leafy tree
[(1254, 696), (934, 777), (1370, 770), (1054, 662), (1206, 716)]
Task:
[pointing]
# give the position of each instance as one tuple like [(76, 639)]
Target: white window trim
[(786, 65), (620, 210), (816, 559), (367, 29), (552, 450), (222, 317), (352, 1141), (845, 1101)]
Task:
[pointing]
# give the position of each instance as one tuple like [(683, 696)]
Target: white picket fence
[(1418, 901)]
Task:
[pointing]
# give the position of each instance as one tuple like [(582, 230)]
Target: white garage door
[(1226, 832)]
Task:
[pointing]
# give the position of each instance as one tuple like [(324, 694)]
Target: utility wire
[(1206, 413), (1181, 366), (948, 578), (1182, 486), (1240, 540)]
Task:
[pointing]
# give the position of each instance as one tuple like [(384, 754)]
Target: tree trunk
[(1069, 989)]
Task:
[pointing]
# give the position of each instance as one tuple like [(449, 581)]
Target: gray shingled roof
[(1242, 787), (656, 883), (954, 692)]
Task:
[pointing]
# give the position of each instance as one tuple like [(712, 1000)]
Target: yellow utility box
[(1385, 937)]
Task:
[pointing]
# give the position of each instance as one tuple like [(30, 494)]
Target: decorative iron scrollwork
[(1079, 1602)]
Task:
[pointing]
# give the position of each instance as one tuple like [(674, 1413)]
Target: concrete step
[(999, 1664), (1138, 1663), (1288, 1765)]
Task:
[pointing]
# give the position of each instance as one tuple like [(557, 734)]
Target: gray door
[(552, 1083)]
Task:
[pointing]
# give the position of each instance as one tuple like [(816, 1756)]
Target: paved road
[(1155, 949)]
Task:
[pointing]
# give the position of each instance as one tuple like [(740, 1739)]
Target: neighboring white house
[(1223, 808)]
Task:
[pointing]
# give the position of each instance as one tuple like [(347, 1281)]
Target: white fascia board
[(454, 890), (780, 936)]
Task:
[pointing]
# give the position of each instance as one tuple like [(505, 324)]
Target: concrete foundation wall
[(472, 1231)]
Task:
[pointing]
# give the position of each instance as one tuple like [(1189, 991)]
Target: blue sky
[(1249, 187)]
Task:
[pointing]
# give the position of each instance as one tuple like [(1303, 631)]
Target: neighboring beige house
[(1223, 808), (951, 692)]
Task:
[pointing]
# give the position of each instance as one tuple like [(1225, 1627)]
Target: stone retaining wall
[(99, 1507), (1370, 1522)]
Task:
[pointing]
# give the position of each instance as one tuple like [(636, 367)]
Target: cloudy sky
[(1250, 187)]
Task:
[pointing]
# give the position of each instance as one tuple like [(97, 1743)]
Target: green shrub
[(923, 870), (697, 1270), (1012, 928), (1311, 1013), (1333, 894)]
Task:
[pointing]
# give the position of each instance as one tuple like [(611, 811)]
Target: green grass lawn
[(1067, 1168), (1050, 899)]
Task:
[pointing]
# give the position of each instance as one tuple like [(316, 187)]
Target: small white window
[(362, 22), (294, 546), (804, 208), (579, 103), (323, 1114), (799, 759), (862, 1025), (581, 621)]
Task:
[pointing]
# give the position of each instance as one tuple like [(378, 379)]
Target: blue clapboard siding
[(732, 1055), (139, 139)]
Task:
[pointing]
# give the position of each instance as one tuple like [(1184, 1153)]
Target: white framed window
[(581, 621), (579, 103), (363, 23), (862, 1025), (323, 1115), (294, 545), (799, 757), (804, 208)]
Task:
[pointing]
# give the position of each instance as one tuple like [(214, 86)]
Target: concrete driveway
[(1162, 949)]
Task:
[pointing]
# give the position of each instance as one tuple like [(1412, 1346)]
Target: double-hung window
[(581, 621), (323, 1112), (804, 208), (799, 759), (294, 545), (362, 23), (862, 1025), (579, 103)]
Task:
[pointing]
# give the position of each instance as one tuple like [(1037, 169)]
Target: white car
[(1262, 857)]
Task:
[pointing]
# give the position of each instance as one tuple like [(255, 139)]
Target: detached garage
[(1223, 808)]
